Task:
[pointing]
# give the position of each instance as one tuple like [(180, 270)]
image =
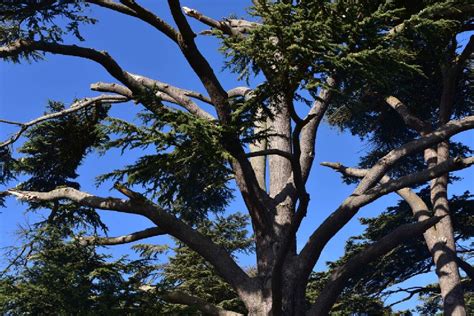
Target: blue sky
[(25, 89)]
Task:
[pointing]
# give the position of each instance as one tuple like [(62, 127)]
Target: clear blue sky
[(25, 89)]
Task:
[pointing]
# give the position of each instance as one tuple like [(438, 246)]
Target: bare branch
[(130, 7), (270, 151), (318, 240), (181, 96), (239, 91), (232, 27), (216, 255), (165, 93), (108, 241), (76, 106), (329, 294), (310, 128)]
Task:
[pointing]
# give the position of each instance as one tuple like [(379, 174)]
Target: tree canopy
[(390, 72)]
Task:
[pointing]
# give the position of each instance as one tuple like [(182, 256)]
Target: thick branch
[(131, 8), (231, 27), (329, 294), (108, 241), (410, 120), (318, 240), (213, 253), (76, 106), (310, 128)]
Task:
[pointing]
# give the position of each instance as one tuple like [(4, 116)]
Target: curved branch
[(331, 291), (178, 297), (131, 8), (410, 120), (318, 240), (109, 241), (76, 106), (216, 255)]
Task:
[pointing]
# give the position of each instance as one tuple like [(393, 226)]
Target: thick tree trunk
[(444, 250)]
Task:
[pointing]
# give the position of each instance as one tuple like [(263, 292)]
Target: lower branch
[(338, 279), (199, 303), (214, 254), (109, 241)]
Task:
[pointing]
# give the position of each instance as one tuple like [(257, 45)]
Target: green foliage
[(300, 45), (63, 277), (187, 170), (58, 275), (188, 272), (38, 19), (350, 302), (54, 149), (408, 260)]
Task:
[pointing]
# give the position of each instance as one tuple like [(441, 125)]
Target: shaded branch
[(410, 120), (177, 297), (270, 151), (231, 27)]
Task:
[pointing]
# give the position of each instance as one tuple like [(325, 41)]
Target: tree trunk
[(444, 251)]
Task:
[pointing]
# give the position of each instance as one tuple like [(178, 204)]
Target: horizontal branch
[(232, 27), (331, 291), (179, 297), (267, 152), (109, 241), (418, 206), (180, 95), (214, 254), (76, 106)]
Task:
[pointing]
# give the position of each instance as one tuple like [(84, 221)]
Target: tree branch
[(231, 27), (331, 291), (130, 7), (76, 106), (318, 240), (270, 151), (216, 255), (410, 120), (310, 128), (108, 241), (178, 297)]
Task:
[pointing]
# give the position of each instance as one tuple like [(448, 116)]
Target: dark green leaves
[(186, 168)]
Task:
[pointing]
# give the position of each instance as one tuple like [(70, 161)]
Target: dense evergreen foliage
[(343, 57)]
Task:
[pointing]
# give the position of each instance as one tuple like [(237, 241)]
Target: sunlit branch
[(76, 106)]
